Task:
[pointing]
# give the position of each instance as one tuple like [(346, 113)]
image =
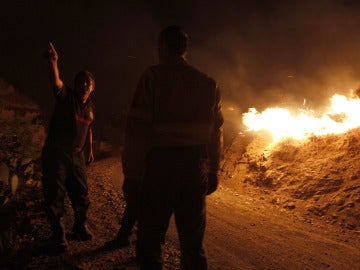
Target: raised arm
[(52, 58)]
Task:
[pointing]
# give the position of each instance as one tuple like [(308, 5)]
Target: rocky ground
[(295, 205), (106, 209), (319, 177), (245, 231)]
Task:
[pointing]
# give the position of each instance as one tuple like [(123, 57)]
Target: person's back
[(176, 115), (183, 101)]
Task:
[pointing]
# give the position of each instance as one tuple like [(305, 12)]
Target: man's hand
[(212, 183), (90, 159), (51, 53), (52, 57)]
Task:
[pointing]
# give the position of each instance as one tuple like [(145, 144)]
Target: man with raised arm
[(67, 149)]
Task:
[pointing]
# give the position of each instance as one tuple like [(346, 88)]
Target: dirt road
[(244, 231), (247, 234)]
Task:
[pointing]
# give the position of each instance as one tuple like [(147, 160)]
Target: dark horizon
[(262, 53)]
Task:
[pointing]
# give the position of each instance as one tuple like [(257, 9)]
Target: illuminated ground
[(245, 231)]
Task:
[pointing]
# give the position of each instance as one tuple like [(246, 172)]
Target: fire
[(342, 115)]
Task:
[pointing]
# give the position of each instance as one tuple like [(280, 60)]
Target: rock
[(289, 205), (13, 162), (30, 182), (4, 172), (14, 182), (26, 161), (29, 171), (37, 175)]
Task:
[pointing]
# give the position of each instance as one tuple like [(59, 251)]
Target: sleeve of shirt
[(92, 113), (215, 147), (139, 128), (61, 94), (142, 105)]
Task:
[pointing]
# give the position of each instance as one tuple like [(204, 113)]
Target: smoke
[(278, 53), (115, 40), (262, 52)]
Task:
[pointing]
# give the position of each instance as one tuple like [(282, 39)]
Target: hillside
[(244, 231), (300, 197), (318, 178)]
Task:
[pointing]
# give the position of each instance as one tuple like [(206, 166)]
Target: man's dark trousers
[(174, 182)]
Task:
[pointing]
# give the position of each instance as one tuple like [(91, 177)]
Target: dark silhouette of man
[(176, 120)]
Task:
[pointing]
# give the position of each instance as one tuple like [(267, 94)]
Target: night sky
[(262, 53)]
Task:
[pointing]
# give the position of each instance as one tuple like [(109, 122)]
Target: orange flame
[(343, 114)]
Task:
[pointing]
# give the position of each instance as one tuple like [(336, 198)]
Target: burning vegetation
[(306, 161), (341, 116)]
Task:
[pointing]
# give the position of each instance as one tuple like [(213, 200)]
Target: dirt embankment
[(292, 206), (245, 230), (318, 178)]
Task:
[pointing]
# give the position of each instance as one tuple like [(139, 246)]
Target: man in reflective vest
[(175, 121)]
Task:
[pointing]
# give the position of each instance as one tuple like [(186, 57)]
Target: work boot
[(80, 230), (58, 241), (120, 241)]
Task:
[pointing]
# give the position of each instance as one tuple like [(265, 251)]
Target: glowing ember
[(342, 115)]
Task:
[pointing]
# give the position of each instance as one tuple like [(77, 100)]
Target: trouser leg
[(128, 220), (131, 190), (58, 230), (54, 183), (149, 241), (173, 181), (78, 193), (154, 215), (131, 193), (77, 186), (54, 190), (190, 219)]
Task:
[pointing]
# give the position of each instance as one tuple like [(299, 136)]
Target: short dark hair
[(174, 39), (85, 73)]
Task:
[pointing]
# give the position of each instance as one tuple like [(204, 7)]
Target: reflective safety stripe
[(83, 120)]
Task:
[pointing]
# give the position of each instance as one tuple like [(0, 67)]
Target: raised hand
[(51, 53)]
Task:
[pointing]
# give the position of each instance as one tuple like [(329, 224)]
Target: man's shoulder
[(63, 94), (153, 70), (197, 72), (150, 71)]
